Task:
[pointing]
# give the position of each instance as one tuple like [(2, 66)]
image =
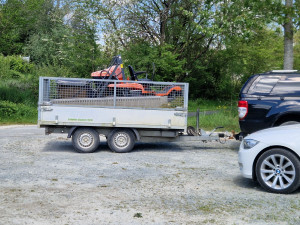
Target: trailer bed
[(88, 102)]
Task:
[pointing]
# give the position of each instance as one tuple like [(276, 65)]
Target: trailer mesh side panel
[(112, 93)]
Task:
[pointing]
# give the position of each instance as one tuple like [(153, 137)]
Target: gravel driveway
[(43, 181)]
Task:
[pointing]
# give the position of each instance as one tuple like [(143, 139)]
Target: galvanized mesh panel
[(113, 93)]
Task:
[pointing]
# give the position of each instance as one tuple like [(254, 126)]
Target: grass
[(225, 115), (15, 121), (18, 102), (17, 113)]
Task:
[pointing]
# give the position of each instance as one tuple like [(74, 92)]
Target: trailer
[(84, 109)]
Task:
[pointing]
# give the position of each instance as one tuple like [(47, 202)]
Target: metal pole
[(115, 93), (197, 121)]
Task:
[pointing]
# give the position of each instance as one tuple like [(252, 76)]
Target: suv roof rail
[(284, 71)]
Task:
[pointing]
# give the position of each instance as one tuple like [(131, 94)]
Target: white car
[(272, 157)]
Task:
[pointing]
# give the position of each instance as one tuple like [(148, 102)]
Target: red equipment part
[(104, 74), (167, 91)]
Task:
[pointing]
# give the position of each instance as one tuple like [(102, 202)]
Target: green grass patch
[(224, 114), (16, 113), (18, 102), (18, 94)]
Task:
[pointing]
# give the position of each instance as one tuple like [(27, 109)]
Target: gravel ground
[(43, 181)]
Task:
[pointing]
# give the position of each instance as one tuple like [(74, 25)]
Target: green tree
[(84, 55), (66, 37), (17, 21), (142, 56), (284, 13), (191, 27), (297, 51), (243, 58)]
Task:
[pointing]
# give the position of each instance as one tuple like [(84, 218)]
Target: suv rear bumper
[(249, 126)]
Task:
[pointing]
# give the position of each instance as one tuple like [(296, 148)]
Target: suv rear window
[(263, 85), (288, 85)]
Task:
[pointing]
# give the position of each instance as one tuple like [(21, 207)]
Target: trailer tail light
[(243, 109)]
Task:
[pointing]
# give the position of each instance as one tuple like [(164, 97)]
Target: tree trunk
[(164, 14), (288, 37)]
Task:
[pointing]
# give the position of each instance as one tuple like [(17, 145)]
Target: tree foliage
[(17, 23), (199, 35), (215, 45)]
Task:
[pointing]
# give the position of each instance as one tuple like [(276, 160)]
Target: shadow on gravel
[(250, 185), (296, 192), (58, 146), (195, 147), (247, 183), (66, 146), (157, 147)]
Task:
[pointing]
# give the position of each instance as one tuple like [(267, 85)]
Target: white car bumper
[(247, 157)]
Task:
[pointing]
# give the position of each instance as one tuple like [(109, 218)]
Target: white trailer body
[(75, 102), (106, 117)]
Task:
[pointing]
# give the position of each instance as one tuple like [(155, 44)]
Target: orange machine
[(115, 71)]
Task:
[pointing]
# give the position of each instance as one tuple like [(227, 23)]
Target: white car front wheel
[(277, 171)]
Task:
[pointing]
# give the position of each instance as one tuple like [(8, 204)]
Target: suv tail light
[(243, 109)]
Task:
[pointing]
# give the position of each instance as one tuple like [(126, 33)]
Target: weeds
[(138, 215), (12, 113), (214, 114)]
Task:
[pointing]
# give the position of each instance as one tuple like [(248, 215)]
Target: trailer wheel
[(121, 140), (85, 140)]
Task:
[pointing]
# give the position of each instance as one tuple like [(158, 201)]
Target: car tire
[(121, 140), (277, 171), (85, 140), (289, 123)]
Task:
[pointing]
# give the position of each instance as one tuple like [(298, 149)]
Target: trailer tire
[(85, 140), (121, 140)]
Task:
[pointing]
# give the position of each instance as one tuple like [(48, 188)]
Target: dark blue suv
[(269, 99)]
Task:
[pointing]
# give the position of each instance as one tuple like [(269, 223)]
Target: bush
[(19, 65), (14, 67), (12, 112), (52, 71), (4, 67), (17, 92), (7, 109)]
